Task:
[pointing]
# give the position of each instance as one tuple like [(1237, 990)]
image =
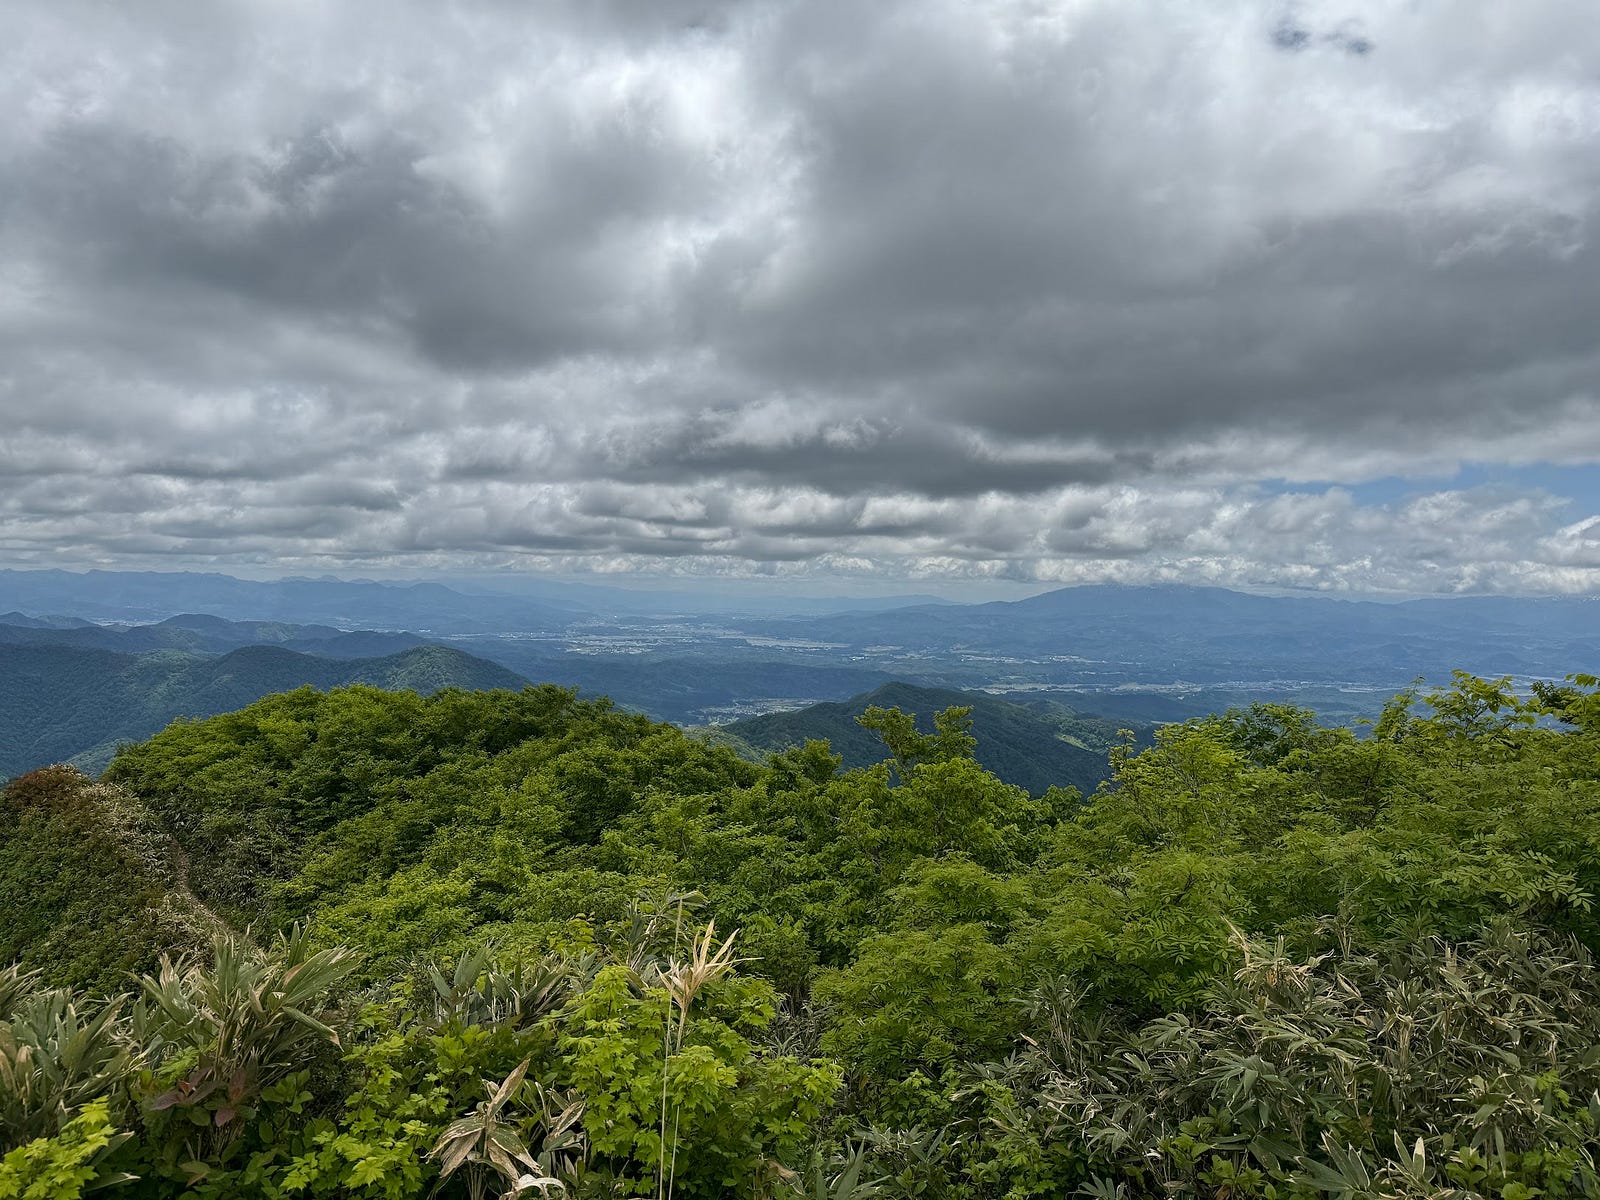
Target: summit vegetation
[(362, 943)]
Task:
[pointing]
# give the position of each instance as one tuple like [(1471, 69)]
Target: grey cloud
[(1013, 290)]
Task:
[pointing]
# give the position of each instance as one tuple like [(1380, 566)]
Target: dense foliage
[(1270, 959)]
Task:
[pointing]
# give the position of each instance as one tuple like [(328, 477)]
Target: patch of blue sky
[(1578, 484)]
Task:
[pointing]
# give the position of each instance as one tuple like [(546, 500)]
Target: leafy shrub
[(67, 1165)]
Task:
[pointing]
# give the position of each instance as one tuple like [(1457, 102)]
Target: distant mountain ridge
[(522, 604), (1151, 652), (48, 621), (206, 634), (76, 703), (1032, 746), (669, 688), (143, 596), (1212, 635)]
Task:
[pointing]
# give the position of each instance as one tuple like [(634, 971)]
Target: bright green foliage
[(951, 738), (728, 1109), (422, 820), (937, 988), (629, 1070), (1270, 958), (67, 1165)]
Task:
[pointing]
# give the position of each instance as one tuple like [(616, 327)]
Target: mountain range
[(205, 634), (171, 644), (77, 690), (1211, 635), (78, 703), (146, 596), (528, 604)]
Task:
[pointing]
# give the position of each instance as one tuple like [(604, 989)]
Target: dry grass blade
[(707, 963), (684, 981)]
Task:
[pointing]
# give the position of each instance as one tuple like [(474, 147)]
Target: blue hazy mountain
[(144, 596), (48, 621), (60, 703), (1142, 653), (206, 634), (525, 604), (1210, 635)]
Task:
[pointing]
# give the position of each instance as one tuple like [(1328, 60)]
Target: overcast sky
[(1033, 290)]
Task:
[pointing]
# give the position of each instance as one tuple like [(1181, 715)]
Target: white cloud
[(1022, 289)]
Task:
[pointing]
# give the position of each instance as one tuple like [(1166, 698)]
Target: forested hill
[(142, 596), (203, 634), (1034, 747), (1271, 959), (66, 702)]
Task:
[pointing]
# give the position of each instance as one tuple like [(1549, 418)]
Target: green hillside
[(1033, 747), (91, 886), (199, 633), (1270, 959), (69, 703)]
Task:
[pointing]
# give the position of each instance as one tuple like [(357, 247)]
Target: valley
[(85, 674)]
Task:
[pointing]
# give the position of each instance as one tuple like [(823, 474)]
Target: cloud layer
[(1025, 289)]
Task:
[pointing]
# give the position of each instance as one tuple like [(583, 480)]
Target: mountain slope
[(1031, 746), (91, 888), (203, 634), (67, 702), (45, 622)]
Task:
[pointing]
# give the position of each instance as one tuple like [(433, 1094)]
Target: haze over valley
[(112, 643)]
